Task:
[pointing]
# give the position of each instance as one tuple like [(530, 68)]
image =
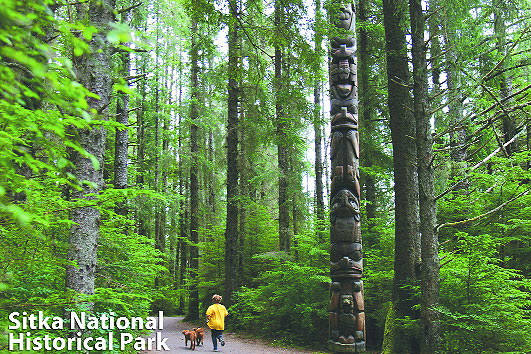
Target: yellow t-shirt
[(217, 313)]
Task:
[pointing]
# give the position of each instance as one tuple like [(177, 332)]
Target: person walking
[(216, 314)]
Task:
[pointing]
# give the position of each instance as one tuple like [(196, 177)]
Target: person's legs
[(215, 338), (221, 340)]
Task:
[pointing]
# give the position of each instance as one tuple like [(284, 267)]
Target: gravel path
[(173, 327)]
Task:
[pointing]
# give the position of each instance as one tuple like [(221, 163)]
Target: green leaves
[(120, 33), (124, 88), (482, 302), (289, 299), (16, 213)]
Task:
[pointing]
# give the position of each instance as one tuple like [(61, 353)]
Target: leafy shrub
[(291, 300), (484, 307)]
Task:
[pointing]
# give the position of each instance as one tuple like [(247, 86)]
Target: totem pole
[(347, 316)]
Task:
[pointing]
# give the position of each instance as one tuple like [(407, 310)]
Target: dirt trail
[(173, 327)]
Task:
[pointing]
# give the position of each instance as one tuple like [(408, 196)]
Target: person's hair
[(216, 298)]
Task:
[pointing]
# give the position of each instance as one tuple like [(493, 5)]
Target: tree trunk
[(402, 123), (159, 243), (210, 178), (122, 135), (500, 30), (430, 336), (140, 152), (455, 103), (182, 193), (366, 114), (435, 59), (295, 215), (347, 310), (231, 231), (317, 127), (282, 144), (193, 305), (244, 194), (121, 142), (183, 246), (177, 253), (241, 235), (165, 146), (212, 186), (92, 70)]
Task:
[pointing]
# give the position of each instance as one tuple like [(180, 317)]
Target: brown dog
[(190, 336), (199, 333)]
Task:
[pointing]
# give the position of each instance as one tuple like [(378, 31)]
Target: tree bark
[(121, 140), (231, 231), (159, 241), (177, 249), (165, 147), (455, 102), (142, 228), (140, 152), (212, 185), (430, 336), (282, 148), (435, 59), (210, 178), (295, 216), (92, 70), (193, 305), (402, 125), (183, 247), (500, 30), (120, 147), (366, 114), (244, 195), (317, 126)]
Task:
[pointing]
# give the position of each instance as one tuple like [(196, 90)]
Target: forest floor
[(235, 343)]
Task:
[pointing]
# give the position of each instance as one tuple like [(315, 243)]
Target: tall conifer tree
[(92, 70)]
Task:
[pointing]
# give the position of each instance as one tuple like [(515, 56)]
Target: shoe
[(216, 350), (222, 341)]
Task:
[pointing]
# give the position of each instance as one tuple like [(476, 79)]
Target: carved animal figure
[(199, 333), (190, 336)]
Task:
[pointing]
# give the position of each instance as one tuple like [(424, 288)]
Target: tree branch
[(248, 36), (462, 222), (499, 72), (129, 8), (445, 263), (476, 166), (131, 77)]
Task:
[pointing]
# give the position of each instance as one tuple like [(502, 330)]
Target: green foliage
[(41, 107), (378, 274), (483, 305), (291, 300)]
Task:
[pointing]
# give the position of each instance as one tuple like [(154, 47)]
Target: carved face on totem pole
[(347, 17), (347, 317)]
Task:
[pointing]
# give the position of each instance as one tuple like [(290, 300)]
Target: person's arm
[(208, 314)]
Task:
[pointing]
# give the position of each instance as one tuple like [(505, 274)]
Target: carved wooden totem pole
[(347, 316)]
